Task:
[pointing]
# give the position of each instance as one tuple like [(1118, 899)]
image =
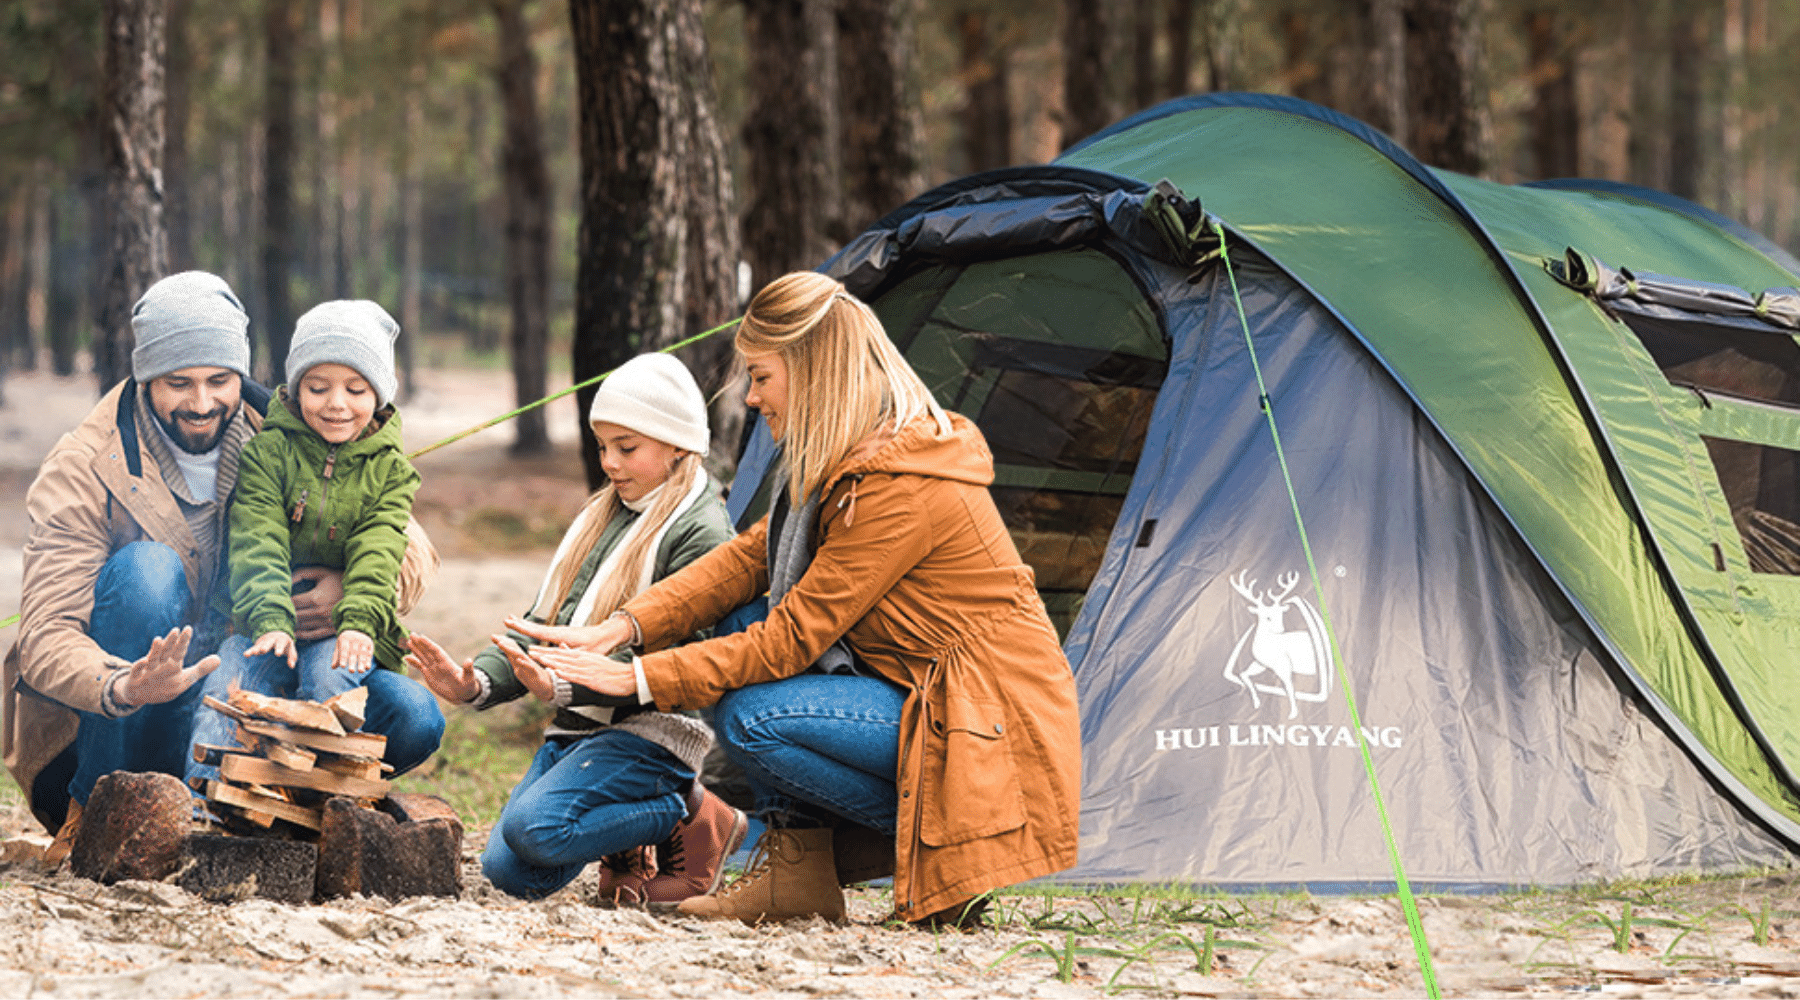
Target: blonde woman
[(905, 677), (613, 774)]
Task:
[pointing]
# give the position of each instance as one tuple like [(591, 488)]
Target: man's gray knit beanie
[(355, 333), (189, 320)]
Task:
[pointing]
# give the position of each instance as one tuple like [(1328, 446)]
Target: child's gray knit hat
[(189, 320), (355, 333)]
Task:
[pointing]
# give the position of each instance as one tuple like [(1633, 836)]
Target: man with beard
[(124, 594)]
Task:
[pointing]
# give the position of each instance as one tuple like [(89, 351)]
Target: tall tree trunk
[(987, 109), (1143, 54), (1646, 144), (1219, 21), (278, 194), (1445, 99), (794, 183), (175, 143), (37, 274), (1301, 68), (1555, 118), (412, 238), (1733, 198), (884, 160), (1085, 106), (133, 128), (68, 285), (634, 241), (327, 157), (1180, 32), (527, 183), (1687, 42)]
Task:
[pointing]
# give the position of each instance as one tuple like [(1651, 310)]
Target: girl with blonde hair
[(613, 775), (904, 677)]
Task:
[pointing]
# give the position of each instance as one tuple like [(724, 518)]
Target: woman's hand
[(530, 673), (279, 643), (594, 671), (355, 652), (441, 674), (602, 638)]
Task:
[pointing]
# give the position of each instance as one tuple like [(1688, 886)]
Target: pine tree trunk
[(278, 200), (175, 143), (1085, 107), (792, 177), (527, 184), (987, 108), (1555, 118), (1300, 62), (1220, 24), (883, 135), (1647, 142), (639, 114), (1445, 105), (412, 240), (1179, 30), (133, 129), (1687, 41), (1143, 54)]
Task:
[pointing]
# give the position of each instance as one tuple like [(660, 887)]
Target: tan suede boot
[(792, 874)]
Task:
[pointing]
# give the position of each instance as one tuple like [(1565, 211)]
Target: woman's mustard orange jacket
[(916, 571)]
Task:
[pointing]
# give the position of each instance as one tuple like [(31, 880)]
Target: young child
[(326, 483), (613, 775)]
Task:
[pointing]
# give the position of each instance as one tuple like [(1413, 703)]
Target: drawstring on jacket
[(850, 515)]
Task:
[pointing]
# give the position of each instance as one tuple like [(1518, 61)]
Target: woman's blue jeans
[(814, 740), (399, 707), (581, 800)]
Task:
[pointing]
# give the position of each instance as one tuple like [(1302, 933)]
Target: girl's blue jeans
[(582, 799), (399, 707), (813, 741)]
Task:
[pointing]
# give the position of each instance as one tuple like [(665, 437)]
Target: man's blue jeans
[(140, 595), (399, 707), (581, 800), (813, 740)]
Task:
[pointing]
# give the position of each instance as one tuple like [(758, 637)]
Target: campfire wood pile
[(292, 756)]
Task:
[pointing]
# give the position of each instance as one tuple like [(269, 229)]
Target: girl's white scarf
[(585, 608)]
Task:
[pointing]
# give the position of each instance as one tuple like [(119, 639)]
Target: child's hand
[(355, 652), (279, 643)]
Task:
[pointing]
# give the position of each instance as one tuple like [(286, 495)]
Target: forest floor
[(495, 519)]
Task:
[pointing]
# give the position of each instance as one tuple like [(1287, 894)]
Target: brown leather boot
[(59, 849), (692, 861), (792, 874)]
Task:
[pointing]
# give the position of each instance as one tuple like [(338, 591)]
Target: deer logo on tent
[(1274, 650)]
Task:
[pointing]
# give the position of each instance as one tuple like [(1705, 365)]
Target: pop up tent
[(1544, 441)]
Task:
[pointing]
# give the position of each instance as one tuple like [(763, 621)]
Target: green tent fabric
[(1598, 460)]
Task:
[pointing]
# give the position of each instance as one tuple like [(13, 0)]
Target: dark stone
[(133, 828), (226, 869), (367, 851), (417, 807)]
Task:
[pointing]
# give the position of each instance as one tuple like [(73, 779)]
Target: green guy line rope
[(458, 436), (1421, 946)]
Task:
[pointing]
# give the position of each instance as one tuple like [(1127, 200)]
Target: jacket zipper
[(324, 498)]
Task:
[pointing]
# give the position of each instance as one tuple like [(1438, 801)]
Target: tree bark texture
[(884, 160), (1143, 54), (132, 106), (793, 180), (526, 179), (1444, 97), (1555, 117), (1085, 106), (987, 108), (412, 239), (1687, 59), (1180, 31), (176, 217), (279, 31), (640, 135), (1219, 20)]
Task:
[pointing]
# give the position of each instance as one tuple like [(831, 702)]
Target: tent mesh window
[(1762, 484), (1719, 358), (1057, 358)]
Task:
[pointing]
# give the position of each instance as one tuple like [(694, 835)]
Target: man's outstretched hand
[(159, 676)]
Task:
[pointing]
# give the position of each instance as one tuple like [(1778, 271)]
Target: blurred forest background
[(527, 181)]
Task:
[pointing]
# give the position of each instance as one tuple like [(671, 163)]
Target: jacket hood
[(284, 415), (919, 449)]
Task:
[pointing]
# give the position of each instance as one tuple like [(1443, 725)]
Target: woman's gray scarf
[(790, 552)]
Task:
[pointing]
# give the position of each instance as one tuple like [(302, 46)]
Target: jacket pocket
[(969, 759)]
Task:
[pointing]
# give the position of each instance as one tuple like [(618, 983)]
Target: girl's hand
[(536, 679), (441, 674), (602, 638), (591, 670), (279, 643), (355, 652)]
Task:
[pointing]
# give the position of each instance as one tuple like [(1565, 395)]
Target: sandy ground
[(494, 517)]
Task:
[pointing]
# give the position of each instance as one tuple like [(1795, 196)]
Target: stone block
[(133, 828), (226, 869), (369, 852)]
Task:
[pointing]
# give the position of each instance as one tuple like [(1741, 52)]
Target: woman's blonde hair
[(622, 584), (845, 377)]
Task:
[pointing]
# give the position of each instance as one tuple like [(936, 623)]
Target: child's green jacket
[(303, 502)]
